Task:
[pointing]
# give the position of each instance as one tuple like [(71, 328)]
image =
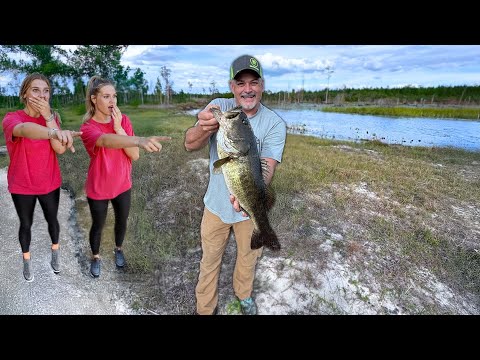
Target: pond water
[(410, 131)]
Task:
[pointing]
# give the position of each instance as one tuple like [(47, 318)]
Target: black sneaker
[(27, 270), (55, 263), (95, 267), (119, 258)]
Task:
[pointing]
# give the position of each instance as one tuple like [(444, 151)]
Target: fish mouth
[(232, 113)]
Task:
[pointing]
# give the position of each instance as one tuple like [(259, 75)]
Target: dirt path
[(70, 292)]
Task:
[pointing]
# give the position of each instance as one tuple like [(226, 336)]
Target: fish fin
[(265, 168), (245, 211), (218, 164), (269, 198), (268, 239)]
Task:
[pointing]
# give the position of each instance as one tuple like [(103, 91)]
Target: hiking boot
[(248, 306), (27, 270), (119, 258), (95, 267), (55, 263)]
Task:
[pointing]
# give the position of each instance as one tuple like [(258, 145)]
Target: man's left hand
[(236, 205)]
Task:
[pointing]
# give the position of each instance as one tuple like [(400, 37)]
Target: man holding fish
[(246, 141)]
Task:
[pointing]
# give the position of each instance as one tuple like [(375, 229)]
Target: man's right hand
[(207, 121)]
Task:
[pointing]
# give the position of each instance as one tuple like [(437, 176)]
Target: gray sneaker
[(119, 258), (27, 270), (55, 261), (95, 267)]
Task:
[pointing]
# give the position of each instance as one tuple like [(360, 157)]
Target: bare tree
[(213, 88), (165, 73), (302, 89), (461, 97), (170, 90), (158, 90), (329, 71), (190, 85)]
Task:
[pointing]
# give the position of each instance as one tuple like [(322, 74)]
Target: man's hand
[(236, 205), (207, 121)]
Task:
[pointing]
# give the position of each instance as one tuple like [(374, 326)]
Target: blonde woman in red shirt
[(111, 143), (34, 138)]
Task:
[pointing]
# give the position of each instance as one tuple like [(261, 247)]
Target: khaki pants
[(215, 233)]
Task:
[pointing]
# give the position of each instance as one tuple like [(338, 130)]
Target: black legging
[(98, 210), (25, 205)]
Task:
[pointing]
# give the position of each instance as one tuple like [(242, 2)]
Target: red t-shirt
[(33, 168), (110, 170)]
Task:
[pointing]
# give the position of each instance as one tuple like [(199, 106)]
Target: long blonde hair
[(93, 88), (26, 84)]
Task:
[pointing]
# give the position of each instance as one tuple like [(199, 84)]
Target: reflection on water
[(390, 130)]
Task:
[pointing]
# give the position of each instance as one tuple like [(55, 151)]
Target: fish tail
[(270, 198), (268, 239)]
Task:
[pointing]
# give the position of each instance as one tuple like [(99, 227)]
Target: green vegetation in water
[(441, 113)]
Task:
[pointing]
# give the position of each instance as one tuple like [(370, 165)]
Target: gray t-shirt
[(270, 131)]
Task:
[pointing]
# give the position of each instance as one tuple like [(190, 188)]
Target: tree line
[(75, 67), (408, 95)]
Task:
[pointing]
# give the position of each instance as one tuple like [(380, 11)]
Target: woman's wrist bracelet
[(51, 132), (50, 118)]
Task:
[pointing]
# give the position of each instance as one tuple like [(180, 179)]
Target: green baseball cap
[(245, 62)]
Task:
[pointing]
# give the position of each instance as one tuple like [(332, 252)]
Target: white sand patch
[(199, 165), (441, 294), (471, 213), (297, 287), (344, 147), (283, 289), (122, 308), (362, 190), (200, 168)]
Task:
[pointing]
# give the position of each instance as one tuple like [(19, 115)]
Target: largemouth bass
[(244, 171)]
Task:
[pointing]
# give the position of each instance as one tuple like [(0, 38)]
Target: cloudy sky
[(288, 67)]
